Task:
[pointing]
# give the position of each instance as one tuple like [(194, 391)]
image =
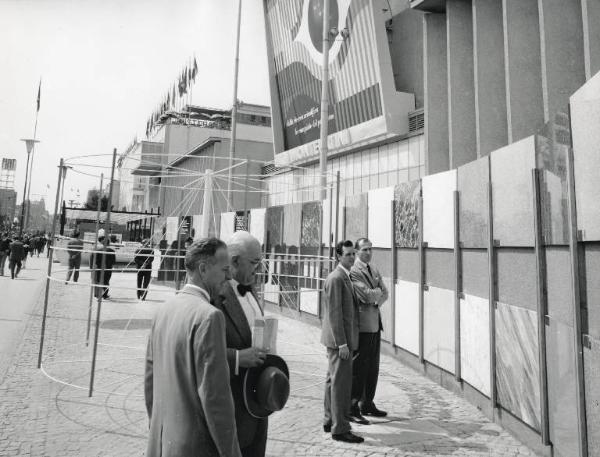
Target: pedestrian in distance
[(372, 293), (339, 334), (143, 259), (190, 407), (15, 257), (26, 245), (240, 305), (74, 249), (4, 251), (102, 261)]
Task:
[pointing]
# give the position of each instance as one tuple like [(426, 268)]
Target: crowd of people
[(15, 248)]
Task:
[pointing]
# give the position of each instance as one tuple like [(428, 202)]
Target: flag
[(39, 94), (195, 69)]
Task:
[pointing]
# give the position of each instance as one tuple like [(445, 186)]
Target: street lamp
[(30, 145)]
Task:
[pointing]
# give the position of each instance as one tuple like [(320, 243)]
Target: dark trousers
[(3, 257), (258, 447), (74, 265), (143, 280), (365, 371), (338, 389), (12, 264), (99, 290)]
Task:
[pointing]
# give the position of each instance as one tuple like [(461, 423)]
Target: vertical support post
[(234, 107), (457, 287), (207, 203), (29, 148), (177, 260), (50, 258), (89, 320), (102, 272), (246, 215), (337, 205), (421, 282), (324, 102), (542, 304), (331, 224), (492, 298), (577, 302), (318, 266), (392, 294)]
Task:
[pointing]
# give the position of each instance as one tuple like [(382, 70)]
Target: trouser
[(3, 257), (365, 370), (12, 264), (338, 389), (143, 280), (258, 447), (103, 288), (74, 265)]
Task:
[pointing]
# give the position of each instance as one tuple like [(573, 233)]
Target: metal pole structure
[(392, 293), (324, 102), (106, 242), (246, 218), (207, 203), (50, 258), (234, 108), (176, 259), (493, 279), (89, 320), (31, 163), (421, 247), (574, 239), (542, 305), (457, 287), (337, 206)]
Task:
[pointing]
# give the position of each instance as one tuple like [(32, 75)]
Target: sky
[(104, 66)]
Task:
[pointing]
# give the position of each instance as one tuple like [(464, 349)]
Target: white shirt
[(249, 304)]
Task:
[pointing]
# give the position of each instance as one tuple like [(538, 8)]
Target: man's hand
[(251, 357), (344, 352)]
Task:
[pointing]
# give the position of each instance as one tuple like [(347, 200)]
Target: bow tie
[(242, 289)]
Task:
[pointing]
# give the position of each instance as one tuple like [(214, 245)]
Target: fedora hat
[(267, 387)]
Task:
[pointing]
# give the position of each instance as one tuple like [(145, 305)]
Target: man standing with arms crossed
[(372, 293), (190, 407), (340, 336)]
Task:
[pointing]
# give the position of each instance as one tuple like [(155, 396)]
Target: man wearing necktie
[(241, 308), (340, 336), (372, 293)]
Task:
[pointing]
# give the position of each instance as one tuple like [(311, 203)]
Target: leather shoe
[(327, 428), (348, 437), (357, 418), (374, 412)]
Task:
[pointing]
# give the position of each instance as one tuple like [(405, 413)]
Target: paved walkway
[(49, 413)]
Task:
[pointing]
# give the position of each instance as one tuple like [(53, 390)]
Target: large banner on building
[(361, 89), (9, 164)]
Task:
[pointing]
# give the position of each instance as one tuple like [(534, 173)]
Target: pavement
[(48, 411)]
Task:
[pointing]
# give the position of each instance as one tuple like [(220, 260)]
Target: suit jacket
[(17, 250), (190, 408), (365, 285), (340, 316), (238, 336)]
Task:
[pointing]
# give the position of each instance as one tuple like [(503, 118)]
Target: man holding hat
[(241, 308), (190, 407), (340, 335)]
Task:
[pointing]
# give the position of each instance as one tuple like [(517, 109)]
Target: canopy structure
[(116, 217)]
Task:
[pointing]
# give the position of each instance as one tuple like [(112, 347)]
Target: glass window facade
[(361, 171)]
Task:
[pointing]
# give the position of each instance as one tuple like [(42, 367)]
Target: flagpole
[(29, 172), (234, 108)]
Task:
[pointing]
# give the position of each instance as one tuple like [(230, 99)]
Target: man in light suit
[(372, 293), (190, 407), (241, 307), (340, 335)]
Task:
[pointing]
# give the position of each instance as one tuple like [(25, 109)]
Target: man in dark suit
[(190, 407), (372, 293), (102, 261), (340, 335), (17, 251), (241, 308)]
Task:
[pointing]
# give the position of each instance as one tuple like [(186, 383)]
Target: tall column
[(490, 88), (435, 93), (590, 11), (461, 97), (561, 39), (524, 96)]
